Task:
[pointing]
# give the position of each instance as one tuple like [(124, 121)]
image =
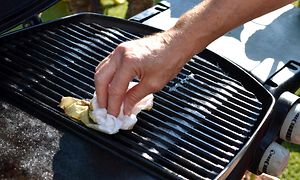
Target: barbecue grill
[(205, 124)]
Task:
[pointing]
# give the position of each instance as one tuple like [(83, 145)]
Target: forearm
[(213, 18)]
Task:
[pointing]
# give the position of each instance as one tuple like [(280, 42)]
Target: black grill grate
[(199, 121)]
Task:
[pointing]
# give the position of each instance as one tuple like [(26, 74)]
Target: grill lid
[(14, 12)]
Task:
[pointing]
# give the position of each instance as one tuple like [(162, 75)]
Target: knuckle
[(121, 47), (154, 86), (128, 60)]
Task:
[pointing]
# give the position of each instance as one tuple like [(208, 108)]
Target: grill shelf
[(199, 122)]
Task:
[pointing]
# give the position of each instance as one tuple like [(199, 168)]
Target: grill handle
[(149, 13), (285, 79)]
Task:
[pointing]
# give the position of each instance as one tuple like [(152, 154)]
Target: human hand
[(154, 60)]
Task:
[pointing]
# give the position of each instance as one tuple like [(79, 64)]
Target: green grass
[(297, 3), (60, 10), (118, 11), (298, 92), (56, 11), (293, 169)]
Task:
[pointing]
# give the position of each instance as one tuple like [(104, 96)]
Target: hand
[(154, 60)]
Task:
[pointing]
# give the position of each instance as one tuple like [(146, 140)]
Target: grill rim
[(239, 74), (22, 14), (226, 172)]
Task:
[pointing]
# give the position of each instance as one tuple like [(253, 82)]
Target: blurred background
[(115, 8)]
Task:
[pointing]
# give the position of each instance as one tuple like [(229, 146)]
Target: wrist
[(184, 43)]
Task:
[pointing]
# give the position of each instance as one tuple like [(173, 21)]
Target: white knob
[(290, 130), (274, 160)]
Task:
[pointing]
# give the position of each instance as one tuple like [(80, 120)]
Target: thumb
[(134, 95)]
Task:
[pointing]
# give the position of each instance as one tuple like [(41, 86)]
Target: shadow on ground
[(279, 40)]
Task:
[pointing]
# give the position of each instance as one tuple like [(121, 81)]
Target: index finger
[(118, 88), (103, 75)]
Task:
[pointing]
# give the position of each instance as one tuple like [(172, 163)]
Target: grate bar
[(200, 74), (199, 118), (60, 68), (101, 35), (201, 90), (90, 38), (21, 86), (37, 77), (209, 143), (172, 166), (77, 45), (111, 35), (53, 51), (62, 45), (187, 81), (117, 31), (50, 74), (220, 92), (192, 145), (180, 143), (208, 107), (194, 127), (218, 106), (173, 156), (220, 75), (158, 141), (206, 115)]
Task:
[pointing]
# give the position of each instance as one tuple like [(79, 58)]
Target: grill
[(201, 122)]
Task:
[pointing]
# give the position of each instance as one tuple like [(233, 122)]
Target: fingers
[(118, 88), (103, 61), (102, 78), (134, 95), (104, 74)]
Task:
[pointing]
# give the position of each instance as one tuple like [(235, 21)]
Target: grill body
[(201, 123)]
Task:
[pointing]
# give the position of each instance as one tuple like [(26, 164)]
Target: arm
[(158, 58), (211, 19)]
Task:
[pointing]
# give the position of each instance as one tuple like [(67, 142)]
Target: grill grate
[(198, 123)]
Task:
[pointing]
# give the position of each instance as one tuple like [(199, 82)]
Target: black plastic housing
[(14, 12)]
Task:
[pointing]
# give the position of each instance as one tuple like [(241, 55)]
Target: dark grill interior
[(199, 121)]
